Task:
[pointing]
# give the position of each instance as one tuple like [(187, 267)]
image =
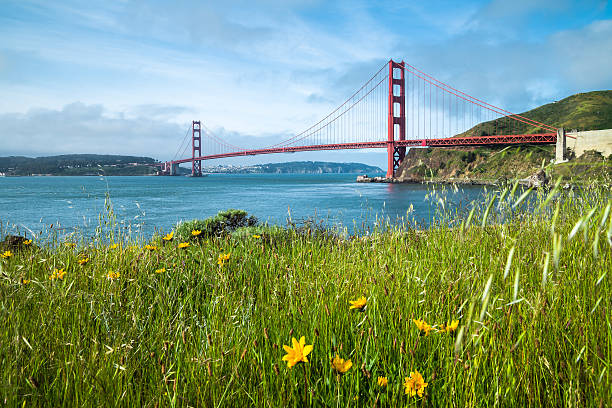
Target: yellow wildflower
[(423, 326), (195, 233), (382, 381), (70, 244), (298, 352), (415, 384), (256, 236), (169, 236), (83, 261), (114, 246), (57, 274), (358, 304), (223, 258), (150, 247), (340, 365), (183, 245), (160, 270), (112, 275), (25, 281), (27, 242), (450, 327), (6, 254)]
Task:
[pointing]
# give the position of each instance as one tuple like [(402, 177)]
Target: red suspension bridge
[(399, 107)]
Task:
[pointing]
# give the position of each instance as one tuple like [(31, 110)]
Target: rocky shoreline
[(536, 180), (366, 179)]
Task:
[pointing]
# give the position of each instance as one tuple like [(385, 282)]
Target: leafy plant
[(221, 224)]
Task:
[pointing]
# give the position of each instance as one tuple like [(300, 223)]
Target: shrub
[(221, 224), (468, 157)]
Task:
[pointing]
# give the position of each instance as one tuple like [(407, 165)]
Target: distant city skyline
[(127, 77)]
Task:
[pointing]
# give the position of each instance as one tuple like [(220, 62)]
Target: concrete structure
[(598, 140), (174, 169), (561, 146)]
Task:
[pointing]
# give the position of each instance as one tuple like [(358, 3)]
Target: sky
[(129, 76)]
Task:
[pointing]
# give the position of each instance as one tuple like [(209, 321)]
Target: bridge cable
[(489, 106), (480, 103), (330, 114), (305, 135), (221, 141), (181, 145)]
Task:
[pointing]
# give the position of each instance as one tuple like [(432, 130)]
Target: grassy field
[(205, 324), (582, 111)]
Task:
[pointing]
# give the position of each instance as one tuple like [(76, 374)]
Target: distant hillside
[(300, 167), (583, 111), (77, 165)]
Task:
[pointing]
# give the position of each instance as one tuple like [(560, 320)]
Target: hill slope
[(584, 111)]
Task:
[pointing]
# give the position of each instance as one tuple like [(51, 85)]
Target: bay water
[(144, 205)]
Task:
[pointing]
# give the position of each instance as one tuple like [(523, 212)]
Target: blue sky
[(126, 77)]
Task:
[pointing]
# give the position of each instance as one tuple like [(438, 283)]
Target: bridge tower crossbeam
[(397, 117)]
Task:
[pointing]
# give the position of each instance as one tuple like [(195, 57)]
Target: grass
[(532, 296), (582, 111), (591, 168)]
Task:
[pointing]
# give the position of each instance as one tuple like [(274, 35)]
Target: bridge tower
[(196, 149), (396, 122)]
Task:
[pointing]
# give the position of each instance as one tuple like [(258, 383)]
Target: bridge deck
[(542, 138)]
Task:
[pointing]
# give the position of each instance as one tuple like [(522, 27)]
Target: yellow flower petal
[(307, 350)]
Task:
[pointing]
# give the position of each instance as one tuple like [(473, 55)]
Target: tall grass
[(532, 295)]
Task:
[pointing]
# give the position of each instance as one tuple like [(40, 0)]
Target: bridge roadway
[(541, 138)]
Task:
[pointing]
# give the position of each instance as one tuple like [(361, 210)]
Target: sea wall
[(598, 140)]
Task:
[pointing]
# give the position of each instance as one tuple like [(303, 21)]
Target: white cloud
[(80, 128)]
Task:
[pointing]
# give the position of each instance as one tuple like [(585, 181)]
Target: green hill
[(583, 111), (78, 165)]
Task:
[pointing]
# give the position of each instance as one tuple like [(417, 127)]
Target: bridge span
[(397, 108)]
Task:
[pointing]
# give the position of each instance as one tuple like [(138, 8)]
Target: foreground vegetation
[(468, 313)]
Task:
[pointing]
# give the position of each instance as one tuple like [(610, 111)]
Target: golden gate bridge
[(397, 108)]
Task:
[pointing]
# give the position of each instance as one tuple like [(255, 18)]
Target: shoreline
[(366, 179)]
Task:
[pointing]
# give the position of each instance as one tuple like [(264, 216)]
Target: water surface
[(148, 203)]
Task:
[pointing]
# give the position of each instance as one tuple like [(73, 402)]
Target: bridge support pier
[(397, 117), (174, 169), (561, 147)]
